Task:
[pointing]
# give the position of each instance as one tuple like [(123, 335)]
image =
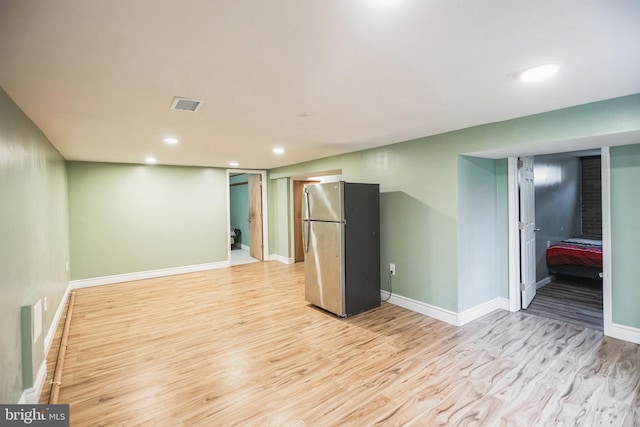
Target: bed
[(576, 257)]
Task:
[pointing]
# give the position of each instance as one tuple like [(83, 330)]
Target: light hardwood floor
[(240, 346), (573, 300)]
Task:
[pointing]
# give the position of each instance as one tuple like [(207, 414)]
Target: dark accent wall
[(591, 196), (557, 194)]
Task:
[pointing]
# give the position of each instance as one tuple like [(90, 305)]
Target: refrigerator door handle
[(307, 204), (306, 236)]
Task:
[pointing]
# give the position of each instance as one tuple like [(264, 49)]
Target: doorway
[(247, 216), (296, 188), (565, 294), (567, 256)]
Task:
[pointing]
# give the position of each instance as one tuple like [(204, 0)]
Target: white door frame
[(515, 303), (265, 211), (607, 311)]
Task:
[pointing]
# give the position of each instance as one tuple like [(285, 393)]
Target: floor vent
[(185, 104)]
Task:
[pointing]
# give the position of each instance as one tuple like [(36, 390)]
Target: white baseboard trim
[(545, 281), (621, 332), (282, 259), (245, 247), (48, 340), (32, 395), (447, 316), (422, 308), (128, 277), (480, 310), (626, 333)]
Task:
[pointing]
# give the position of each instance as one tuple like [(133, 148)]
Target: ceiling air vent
[(185, 104)]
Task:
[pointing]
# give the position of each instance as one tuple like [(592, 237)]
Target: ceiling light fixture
[(185, 104), (278, 150), (539, 72), (170, 140), (150, 160), (234, 164)]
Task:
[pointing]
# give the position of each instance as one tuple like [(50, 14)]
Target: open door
[(527, 226), (255, 217)]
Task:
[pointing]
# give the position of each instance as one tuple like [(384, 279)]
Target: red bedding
[(567, 253)]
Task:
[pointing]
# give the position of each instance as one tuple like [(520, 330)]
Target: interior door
[(255, 217), (527, 231)]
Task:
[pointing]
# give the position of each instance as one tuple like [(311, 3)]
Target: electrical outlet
[(392, 269), (46, 306)]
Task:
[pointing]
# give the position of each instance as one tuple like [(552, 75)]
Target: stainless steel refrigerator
[(341, 238)]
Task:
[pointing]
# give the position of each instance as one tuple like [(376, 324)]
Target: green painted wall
[(132, 218), (279, 213), (34, 236), (502, 240), (239, 206), (482, 223), (420, 186), (625, 234)]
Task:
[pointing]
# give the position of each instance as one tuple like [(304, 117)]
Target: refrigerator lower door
[(324, 283)]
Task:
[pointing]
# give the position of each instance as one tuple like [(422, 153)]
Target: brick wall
[(591, 197)]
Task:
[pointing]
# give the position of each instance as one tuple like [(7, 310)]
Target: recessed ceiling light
[(278, 150), (234, 164), (150, 160), (539, 72), (170, 140)]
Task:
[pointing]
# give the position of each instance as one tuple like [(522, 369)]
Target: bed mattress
[(580, 252)]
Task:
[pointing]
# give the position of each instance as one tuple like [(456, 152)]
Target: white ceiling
[(316, 77)]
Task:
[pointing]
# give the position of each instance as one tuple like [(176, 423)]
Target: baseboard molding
[(480, 310), (31, 395), (621, 332), (245, 247), (128, 277), (447, 316), (282, 259), (545, 281), (422, 308), (625, 333), (48, 340)]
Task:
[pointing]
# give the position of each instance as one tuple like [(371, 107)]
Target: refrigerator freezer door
[(323, 202), (323, 267)]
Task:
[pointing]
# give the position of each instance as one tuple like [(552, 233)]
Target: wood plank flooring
[(572, 300), (240, 346)]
